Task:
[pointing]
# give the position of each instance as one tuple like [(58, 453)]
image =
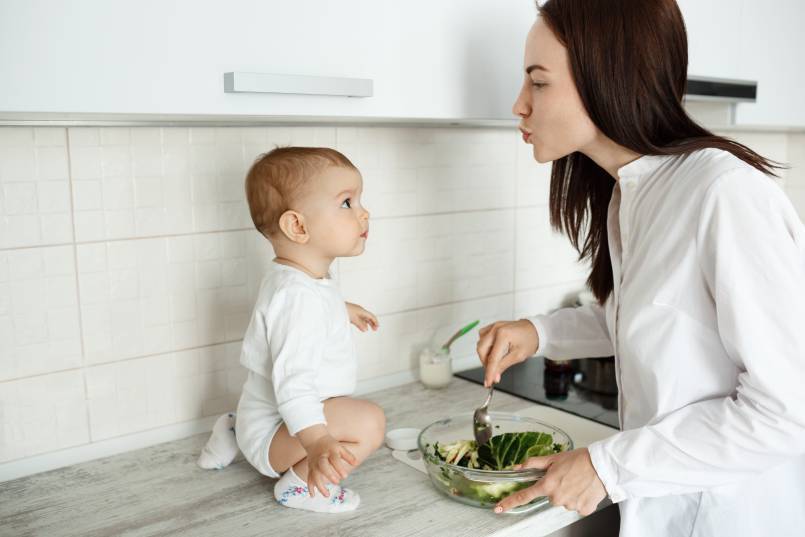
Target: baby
[(294, 418)]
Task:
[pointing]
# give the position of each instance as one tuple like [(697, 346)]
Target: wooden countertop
[(159, 490)]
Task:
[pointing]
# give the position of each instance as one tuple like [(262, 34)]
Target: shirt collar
[(641, 167), (327, 280)]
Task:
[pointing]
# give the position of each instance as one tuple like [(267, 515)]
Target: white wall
[(128, 265)]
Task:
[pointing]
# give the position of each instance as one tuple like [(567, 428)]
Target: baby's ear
[(292, 224)]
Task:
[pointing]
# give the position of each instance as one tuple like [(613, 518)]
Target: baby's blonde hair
[(281, 177)]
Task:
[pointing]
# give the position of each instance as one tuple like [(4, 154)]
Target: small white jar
[(435, 368)]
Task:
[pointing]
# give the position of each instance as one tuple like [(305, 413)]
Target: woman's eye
[(347, 204), (539, 85)]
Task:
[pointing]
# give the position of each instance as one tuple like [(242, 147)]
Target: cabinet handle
[(237, 82)]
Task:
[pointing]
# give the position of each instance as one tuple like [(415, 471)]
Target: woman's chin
[(544, 156), (540, 155)]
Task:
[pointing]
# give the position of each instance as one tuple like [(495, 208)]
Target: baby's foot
[(222, 447), (291, 491)]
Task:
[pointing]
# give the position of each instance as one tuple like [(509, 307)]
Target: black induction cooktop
[(532, 381)]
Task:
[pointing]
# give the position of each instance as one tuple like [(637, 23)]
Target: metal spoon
[(482, 421)]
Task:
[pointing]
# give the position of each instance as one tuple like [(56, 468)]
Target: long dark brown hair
[(629, 61)]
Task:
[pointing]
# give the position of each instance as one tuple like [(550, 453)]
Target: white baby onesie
[(299, 351)]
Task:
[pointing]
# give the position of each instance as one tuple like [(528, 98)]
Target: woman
[(698, 265)]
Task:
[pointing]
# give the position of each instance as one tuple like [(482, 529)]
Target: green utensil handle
[(460, 333)]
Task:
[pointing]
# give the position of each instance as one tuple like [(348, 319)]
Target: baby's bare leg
[(359, 424)]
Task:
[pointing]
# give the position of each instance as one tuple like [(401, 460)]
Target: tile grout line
[(235, 230), (77, 285), (127, 359), (516, 214)]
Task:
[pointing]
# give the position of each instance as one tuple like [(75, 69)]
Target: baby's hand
[(361, 318), (328, 461)]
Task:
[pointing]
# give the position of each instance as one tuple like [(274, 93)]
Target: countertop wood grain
[(159, 490)]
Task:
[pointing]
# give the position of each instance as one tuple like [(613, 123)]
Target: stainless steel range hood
[(720, 90)]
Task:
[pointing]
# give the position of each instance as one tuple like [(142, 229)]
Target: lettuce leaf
[(505, 450), (501, 452)]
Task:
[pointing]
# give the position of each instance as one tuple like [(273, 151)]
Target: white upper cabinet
[(427, 59), (773, 53), (752, 40), (714, 37)]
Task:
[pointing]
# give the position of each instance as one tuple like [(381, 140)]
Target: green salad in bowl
[(484, 475)]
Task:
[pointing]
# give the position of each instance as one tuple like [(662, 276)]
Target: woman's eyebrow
[(535, 66)]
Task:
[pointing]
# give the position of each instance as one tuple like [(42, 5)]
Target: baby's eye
[(347, 204)]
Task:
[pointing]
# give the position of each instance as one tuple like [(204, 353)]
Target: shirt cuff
[(543, 334), (606, 470), (301, 413)]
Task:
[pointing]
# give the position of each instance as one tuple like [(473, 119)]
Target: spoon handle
[(488, 397)]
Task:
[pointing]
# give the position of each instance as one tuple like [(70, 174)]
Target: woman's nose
[(521, 106)]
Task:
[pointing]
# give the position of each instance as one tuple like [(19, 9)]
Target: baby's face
[(338, 223)]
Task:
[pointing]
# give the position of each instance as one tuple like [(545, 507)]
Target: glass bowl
[(483, 488)]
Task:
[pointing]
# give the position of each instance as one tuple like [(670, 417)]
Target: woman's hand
[(571, 481), (361, 318), (328, 461), (504, 344)]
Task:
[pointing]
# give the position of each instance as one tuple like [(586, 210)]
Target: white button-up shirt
[(707, 325)]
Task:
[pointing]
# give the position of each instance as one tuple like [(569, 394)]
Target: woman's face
[(553, 118)]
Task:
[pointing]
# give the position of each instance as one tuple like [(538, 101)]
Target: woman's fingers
[(485, 344), (570, 481), (520, 498), (500, 349), (539, 463), (511, 358)]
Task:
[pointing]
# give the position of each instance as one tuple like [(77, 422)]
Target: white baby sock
[(291, 491), (222, 447)]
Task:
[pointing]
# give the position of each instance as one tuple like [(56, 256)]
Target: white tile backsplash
[(39, 318), (144, 393), (149, 296), (544, 257), (34, 187), (533, 180), (42, 413), (135, 321)]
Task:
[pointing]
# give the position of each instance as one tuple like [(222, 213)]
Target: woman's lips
[(526, 135), (365, 234)]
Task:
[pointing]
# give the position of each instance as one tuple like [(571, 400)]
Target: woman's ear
[(292, 224)]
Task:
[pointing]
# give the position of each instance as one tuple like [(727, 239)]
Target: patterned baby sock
[(222, 447), (291, 491)]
